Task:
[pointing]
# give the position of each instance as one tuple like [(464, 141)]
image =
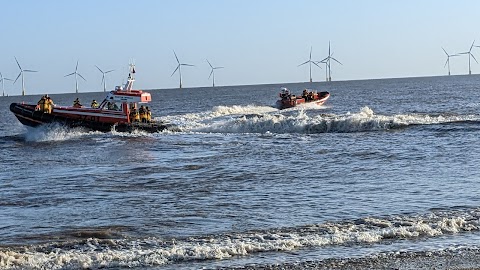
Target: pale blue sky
[(257, 42)]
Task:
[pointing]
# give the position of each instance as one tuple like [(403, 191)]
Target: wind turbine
[(3, 79), (448, 59), (76, 77), (470, 55), (212, 73), (103, 77), (179, 68), (310, 62), (328, 62), (23, 77)]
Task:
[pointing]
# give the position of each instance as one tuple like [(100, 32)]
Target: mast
[(131, 78)]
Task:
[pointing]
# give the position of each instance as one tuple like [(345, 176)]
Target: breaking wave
[(113, 253)]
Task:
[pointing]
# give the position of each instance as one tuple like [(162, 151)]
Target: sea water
[(384, 166)]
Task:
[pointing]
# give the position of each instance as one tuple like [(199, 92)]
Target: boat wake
[(96, 253), (264, 119), (55, 132), (254, 119)]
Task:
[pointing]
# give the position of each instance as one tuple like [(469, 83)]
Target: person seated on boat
[(94, 104), (112, 106), (149, 114), (142, 114), (76, 103), (310, 95)]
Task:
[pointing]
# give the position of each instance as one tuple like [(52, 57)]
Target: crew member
[(134, 117), (76, 103), (48, 105), (94, 104), (305, 94), (149, 114), (142, 114), (40, 104)]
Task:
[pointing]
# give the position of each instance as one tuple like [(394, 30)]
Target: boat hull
[(28, 116), (286, 103)]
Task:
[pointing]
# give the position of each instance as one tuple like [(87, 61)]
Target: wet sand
[(465, 259)]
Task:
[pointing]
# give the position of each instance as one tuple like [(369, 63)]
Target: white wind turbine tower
[(448, 59), (212, 72), (104, 82), (76, 77), (3, 79), (179, 68), (23, 77), (310, 62), (328, 62), (470, 55)]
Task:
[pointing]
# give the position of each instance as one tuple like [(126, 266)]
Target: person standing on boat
[(48, 105), (134, 117), (94, 104), (41, 104), (76, 103)]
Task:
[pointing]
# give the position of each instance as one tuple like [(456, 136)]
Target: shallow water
[(383, 166)]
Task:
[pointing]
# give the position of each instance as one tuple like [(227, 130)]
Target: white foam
[(54, 132), (94, 253)]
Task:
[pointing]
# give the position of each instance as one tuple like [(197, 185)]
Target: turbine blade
[(445, 51), (471, 46), (187, 65), (28, 70), (210, 74), (99, 69), (336, 61), (209, 63), (81, 76), (18, 63), (316, 65), (446, 62), (109, 71), (7, 79), (217, 67), (76, 67), (474, 58), (311, 47), (325, 59), (175, 70), (176, 57), (304, 63), (69, 74), (17, 77)]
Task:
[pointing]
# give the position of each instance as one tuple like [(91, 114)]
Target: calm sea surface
[(385, 166)]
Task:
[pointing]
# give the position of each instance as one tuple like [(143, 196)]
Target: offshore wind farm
[(327, 61), (242, 135)]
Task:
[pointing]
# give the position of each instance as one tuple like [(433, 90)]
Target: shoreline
[(460, 259)]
